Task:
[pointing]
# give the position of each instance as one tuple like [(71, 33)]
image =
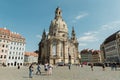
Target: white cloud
[(108, 29), (81, 16), (90, 33), (92, 36), (82, 44), (74, 21), (39, 36), (96, 37), (87, 33), (47, 32), (88, 37), (111, 26)]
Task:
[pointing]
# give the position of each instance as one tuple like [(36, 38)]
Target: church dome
[(58, 25)]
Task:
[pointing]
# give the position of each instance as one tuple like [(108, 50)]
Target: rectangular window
[(6, 46), (1, 56), (4, 56), (9, 57), (10, 53), (2, 51), (3, 45)]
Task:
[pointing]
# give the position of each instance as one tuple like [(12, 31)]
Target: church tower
[(56, 46), (73, 36), (44, 35)]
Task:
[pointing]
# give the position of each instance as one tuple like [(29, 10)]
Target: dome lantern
[(58, 13)]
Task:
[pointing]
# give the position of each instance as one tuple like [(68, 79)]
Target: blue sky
[(93, 20)]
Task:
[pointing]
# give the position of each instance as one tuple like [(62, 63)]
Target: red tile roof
[(31, 54), (5, 31)]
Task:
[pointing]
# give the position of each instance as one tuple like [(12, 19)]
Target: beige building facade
[(97, 56), (91, 56), (111, 48), (30, 57), (57, 46)]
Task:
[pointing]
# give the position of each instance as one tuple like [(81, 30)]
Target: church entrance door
[(54, 61)]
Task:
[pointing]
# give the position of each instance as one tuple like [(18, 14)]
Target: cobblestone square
[(60, 73)]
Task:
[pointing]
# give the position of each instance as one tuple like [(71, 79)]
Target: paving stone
[(60, 73)]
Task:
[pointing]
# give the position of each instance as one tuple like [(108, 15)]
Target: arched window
[(59, 13), (54, 49), (61, 49)]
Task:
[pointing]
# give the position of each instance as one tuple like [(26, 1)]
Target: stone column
[(63, 55), (57, 49), (51, 55)]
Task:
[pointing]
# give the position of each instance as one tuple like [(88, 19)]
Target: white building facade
[(12, 48)]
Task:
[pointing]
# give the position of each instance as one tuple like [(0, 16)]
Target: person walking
[(38, 69), (50, 67), (115, 66), (91, 66), (103, 67), (69, 65), (112, 66), (18, 66), (46, 68), (31, 71), (81, 64)]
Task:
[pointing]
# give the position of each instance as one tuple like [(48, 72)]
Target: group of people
[(103, 66), (47, 67), (113, 66)]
